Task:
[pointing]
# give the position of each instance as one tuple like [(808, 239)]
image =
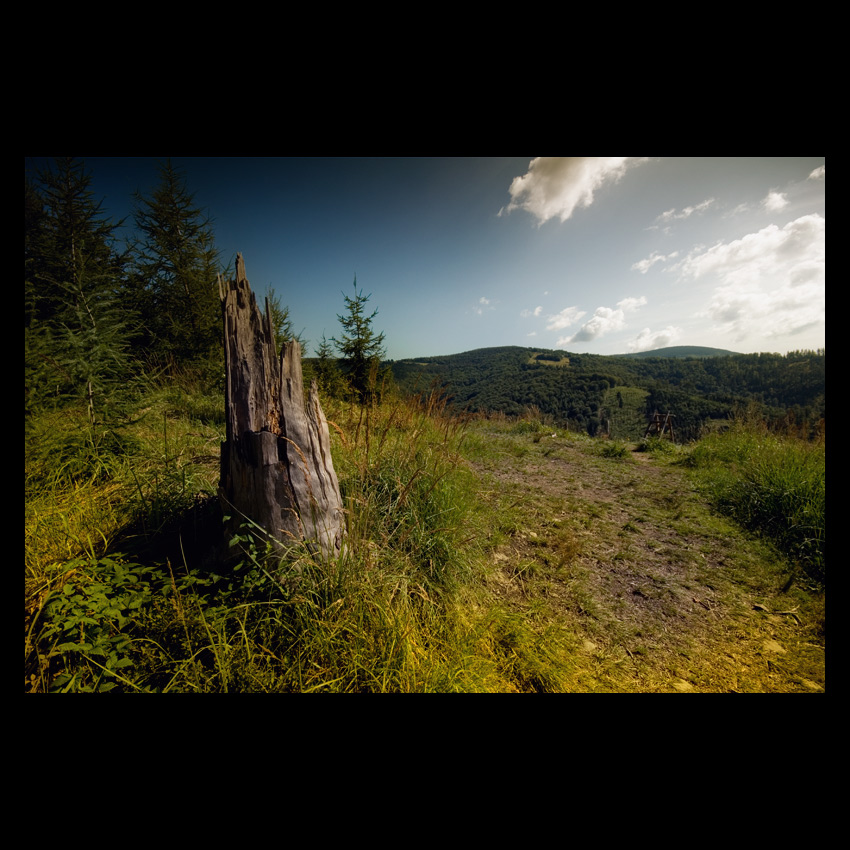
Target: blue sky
[(605, 255)]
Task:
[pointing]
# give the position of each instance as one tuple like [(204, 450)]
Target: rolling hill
[(683, 351), (617, 394)]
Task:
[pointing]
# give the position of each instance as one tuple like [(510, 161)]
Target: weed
[(83, 636), (614, 449)]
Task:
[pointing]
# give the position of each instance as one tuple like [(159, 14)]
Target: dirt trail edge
[(644, 586)]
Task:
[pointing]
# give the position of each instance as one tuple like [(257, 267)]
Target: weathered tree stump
[(276, 466)]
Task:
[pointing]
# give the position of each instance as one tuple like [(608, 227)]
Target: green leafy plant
[(88, 621)]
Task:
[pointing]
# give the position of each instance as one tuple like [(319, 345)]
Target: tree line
[(103, 311)]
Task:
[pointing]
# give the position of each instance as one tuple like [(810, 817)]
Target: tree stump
[(276, 466)]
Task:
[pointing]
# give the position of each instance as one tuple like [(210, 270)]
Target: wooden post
[(276, 466), (659, 425)]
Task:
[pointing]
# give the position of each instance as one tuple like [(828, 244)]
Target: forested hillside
[(575, 390)]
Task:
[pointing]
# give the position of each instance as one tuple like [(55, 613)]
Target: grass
[(448, 582), (772, 484), (126, 589)]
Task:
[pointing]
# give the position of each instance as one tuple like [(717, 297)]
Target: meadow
[(459, 573)]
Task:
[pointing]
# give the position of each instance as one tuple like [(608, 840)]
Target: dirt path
[(648, 588)]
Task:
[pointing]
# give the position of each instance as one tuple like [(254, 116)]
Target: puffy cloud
[(648, 340), (554, 186), (771, 283), (770, 252), (604, 320), (775, 201), (568, 316), (818, 173), (631, 303)]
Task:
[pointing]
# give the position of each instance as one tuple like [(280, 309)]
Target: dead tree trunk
[(276, 466)]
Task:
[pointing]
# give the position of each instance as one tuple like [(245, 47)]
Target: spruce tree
[(360, 347), (282, 321), (175, 287), (76, 328), (326, 370)]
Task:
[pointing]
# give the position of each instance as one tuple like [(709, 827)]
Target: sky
[(604, 255)]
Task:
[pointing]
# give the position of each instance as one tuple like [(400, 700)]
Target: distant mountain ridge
[(683, 351)]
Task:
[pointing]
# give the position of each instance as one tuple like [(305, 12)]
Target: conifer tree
[(326, 370), (175, 286), (76, 330), (282, 321), (360, 347)]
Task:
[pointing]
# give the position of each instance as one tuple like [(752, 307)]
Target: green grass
[(128, 587), (771, 484)]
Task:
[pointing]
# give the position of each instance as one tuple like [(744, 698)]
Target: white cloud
[(568, 316), (648, 340), (604, 320), (554, 186), (818, 173), (770, 283), (482, 305), (632, 303), (687, 212), (643, 266), (775, 201), (535, 312), (768, 252)]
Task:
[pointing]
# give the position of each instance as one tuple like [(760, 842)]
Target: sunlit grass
[(399, 611), (130, 585), (775, 485)]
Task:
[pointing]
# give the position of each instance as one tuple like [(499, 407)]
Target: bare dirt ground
[(647, 587)]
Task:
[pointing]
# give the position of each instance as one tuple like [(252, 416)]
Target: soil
[(644, 586)]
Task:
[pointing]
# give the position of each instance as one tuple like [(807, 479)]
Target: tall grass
[(129, 588), (772, 484)]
